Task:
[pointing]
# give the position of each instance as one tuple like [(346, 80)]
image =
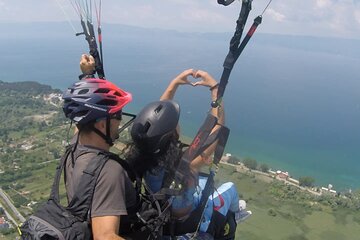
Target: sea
[(292, 102)]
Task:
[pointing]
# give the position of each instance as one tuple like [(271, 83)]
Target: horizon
[(310, 18), (158, 29)]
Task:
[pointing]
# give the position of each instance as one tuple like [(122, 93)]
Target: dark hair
[(167, 159)]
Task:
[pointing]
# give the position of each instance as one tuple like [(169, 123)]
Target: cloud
[(3, 6), (344, 19), (305, 17), (202, 15), (357, 16), (315, 17), (278, 17), (323, 3)]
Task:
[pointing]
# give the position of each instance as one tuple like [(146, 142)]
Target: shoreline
[(188, 140), (283, 176)]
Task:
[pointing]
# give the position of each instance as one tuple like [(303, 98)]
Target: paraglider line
[(66, 16), (266, 7)]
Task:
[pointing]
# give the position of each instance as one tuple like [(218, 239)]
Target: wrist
[(85, 76), (214, 86)]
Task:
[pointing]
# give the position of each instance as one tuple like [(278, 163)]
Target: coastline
[(269, 176), (295, 173)]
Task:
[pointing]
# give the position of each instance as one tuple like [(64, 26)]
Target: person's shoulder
[(116, 164), (111, 163)]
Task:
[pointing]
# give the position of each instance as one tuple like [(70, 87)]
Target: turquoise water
[(292, 103)]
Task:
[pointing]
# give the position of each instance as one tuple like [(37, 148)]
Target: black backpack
[(53, 221)]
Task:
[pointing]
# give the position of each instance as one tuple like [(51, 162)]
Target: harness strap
[(222, 140), (82, 199), (223, 135), (133, 177), (234, 51), (193, 151)]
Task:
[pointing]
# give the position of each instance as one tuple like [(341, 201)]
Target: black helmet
[(154, 126)]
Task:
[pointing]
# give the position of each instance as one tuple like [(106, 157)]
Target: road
[(9, 217), (13, 208)]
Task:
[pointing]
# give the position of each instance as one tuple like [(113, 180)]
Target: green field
[(294, 220)]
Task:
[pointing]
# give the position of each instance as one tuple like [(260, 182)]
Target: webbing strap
[(200, 143), (234, 50), (221, 135), (219, 151), (82, 199), (193, 151), (54, 194), (220, 147), (133, 177)]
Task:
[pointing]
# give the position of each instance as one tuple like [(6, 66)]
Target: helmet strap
[(75, 146), (106, 137)]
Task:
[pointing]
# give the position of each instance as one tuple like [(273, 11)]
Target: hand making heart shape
[(202, 77)]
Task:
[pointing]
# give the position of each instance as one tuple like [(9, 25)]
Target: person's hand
[(182, 78), (205, 79), (204, 159), (87, 64)]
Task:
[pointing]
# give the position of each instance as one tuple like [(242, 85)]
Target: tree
[(250, 163), (7, 231), (264, 167), (233, 160), (306, 181)]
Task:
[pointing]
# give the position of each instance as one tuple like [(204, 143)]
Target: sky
[(325, 18)]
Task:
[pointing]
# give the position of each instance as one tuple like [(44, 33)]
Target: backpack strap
[(125, 165), (54, 195), (82, 199), (133, 177)]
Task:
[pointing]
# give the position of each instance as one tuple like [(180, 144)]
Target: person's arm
[(109, 201), (106, 228), (181, 79), (208, 81), (182, 205)]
